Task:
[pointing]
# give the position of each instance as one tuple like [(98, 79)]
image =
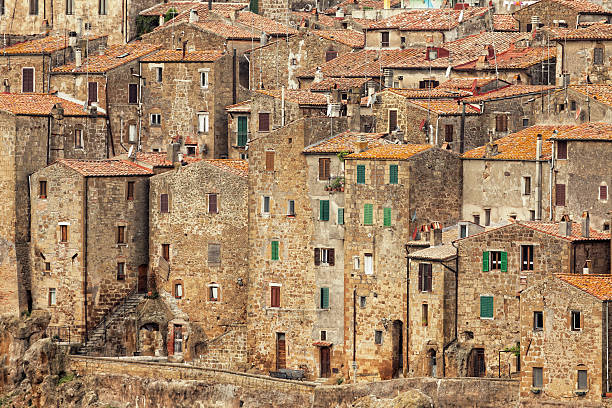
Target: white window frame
[(211, 287), (203, 122), (204, 79), (599, 192), (356, 262), (325, 256), (155, 122), (159, 74), (52, 298), (368, 264), (178, 290)]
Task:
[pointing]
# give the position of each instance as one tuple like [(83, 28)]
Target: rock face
[(408, 399)]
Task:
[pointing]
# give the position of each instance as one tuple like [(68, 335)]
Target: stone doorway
[(398, 342), (432, 363), (142, 278), (324, 354), (476, 363), (281, 351)]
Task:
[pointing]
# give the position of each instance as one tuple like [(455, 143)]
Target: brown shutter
[(212, 203), (448, 133), (264, 122), (27, 80), (324, 169), (420, 277), (269, 161), (317, 256), (560, 195), (561, 149), (133, 93), (163, 203), (603, 192), (331, 255), (392, 120), (92, 95)]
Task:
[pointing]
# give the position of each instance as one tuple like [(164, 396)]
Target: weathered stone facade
[(550, 13), (577, 65)]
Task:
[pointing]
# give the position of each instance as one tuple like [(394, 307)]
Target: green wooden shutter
[(393, 174), (242, 131), (486, 307), (275, 250), (324, 210), (254, 6), (340, 216), (360, 174), (504, 262), (368, 209), (324, 298), (485, 261), (387, 217)]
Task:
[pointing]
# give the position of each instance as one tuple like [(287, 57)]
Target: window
[(51, 298), (501, 123), (462, 231), (242, 131), (527, 185), (425, 314), (324, 169), (1, 7), (392, 120), (48, 266), (163, 203), (561, 149), (63, 233), (598, 56), (525, 122), (214, 253), (448, 133), (159, 74), (531, 215), (386, 217), (120, 271), (572, 108), (102, 7), (132, 134), (92, 91), (560, 195), (178, 290), (34, 10), (291, 208), (476, 219), (266, 205), (538, 321), (264, 122), (526, 257), (323, 335), (42, 189), (428, 84), (356, 263), (132, 93), (330, 55), (269, 160), (130, 191), (362, 301), (27, 77), (323, 210), (340, 216), (575, 320), (204, 79), (378, 336), (324, 298), (202, 122), (494, 260), (384, 39), (166, 252), (213, 293), (360, 174), (368, 264), (78, 138), (536, 377), (486, 307), (274, 250), (155, 119), (582, 380), (392, 174), (325, 256), (603, 192), (212, 204), (121, 234), (367, 214), (425, 277), (487, 216), (275, 296)]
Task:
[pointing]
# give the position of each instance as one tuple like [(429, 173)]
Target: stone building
[(559, 12), (494, 266), (89, 239), (110, 81), (198, 227), (184, 100), (298, 53), (25, 67), (420, 28), (238, 129), (569, 313), (37, 129), (577, 104), (389, 191)]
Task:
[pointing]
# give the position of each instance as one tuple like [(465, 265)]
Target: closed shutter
[(603, 192), (269, 161), (504, 262), (368, 209), (330, 55), (324, 169), (429, 278), (421, 273), (27, 80), (264, 122), (560, 195), (132, 93), (274, 296), (212, 203), (392, 120), (448, 133), (324, 298), (331, 256), (242, 131), (340, 216), (274, 250), (393, 174), (92, 95), (360, 174), (387, 217), (163, 203), (324, 210), (486, 306), (317, 256), (485, 261), (561, 149), (214, 253)]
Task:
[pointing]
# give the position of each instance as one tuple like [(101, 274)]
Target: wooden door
[(142, 278), (325, 362), (281, 351)]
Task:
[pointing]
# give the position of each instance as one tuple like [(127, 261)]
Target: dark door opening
[(433, 363), (476, 363), (398, 353), (281, 351), (325, 362), (142, 278)]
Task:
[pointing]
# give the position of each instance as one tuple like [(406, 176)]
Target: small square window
[(527, 185), (213, 293), (378, 337), (191, 150), (155, 119), (120, 271), (178, 290), (525, 122), (538, 321), (576, 323)]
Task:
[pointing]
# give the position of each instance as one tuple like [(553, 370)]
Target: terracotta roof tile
[(264, 24), (342, 84), (43, 45), (505, 22), (520, 145), (361, 4), (587, 131), (106, 168), (515, 58), (444, 107), (227, 31), (160, 159), (244, 106), (190, 56), (552, 228), (599, 286), (440, 252), (38, 104), (443, 19), (238, 167), (299, 96), (391, 152), (182, 6), (599, 92), (510, 91), (466, 83), (434, 93), (345, 142), (581, 6), (352, 38), (113, 57), (593, 32), (322, 19)]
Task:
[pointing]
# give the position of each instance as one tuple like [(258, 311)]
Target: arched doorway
[(432, 363), (398, 355)]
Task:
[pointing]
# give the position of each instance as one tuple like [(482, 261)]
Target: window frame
[(159, 75), (378, 337), (385, 39), (33, 70), (213, 203), (129, 190), (275, 295), (260, 122), (90, 98), (561, 153), (203, 122), (121, 235), (425, 275), (204, 80), (165, 252), (368, 269), (538, 320), (155, 119), (537, 380), (527, 250), (586, 380), (361, 173), (290, 208), (573, 326), (42, 189), (63, 233), (214, 287), (266, 205), (78, 138), (120, 271), (425, 314), (164, 206), (324, 168), (52, 296), (526, 185), (133, 101), (179, 293)]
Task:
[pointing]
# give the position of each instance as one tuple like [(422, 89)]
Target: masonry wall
[(547, 11), (559, 109), (579, 66), (517, 109)]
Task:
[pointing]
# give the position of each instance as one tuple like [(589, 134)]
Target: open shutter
[(486, 306), (324, 298), (274, 250), (242, 130), (485, 261), (317, 256), (421, 270), (331, 256), (387, 217), (340, 216), (504, 262)]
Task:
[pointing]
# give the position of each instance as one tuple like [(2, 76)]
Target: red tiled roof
[(352, 38), (227, 31), (434, 93), (515, 58), (599, 286), (113, 57), (342, 84), (299, 96), (442, 19), (599, 92), (238, 167), (106, 168), (510, 91), (345, 142), (444, 107), (505, 22), (520, 145), (581, 6), (361, 4), (322, 19), (190, 56), (182, 6), (43, 45), (38, 104), (244, 106), (264, 24), (391, 152), (467, 83), (552, 228), (160, 159), (587, 131), (593, 32)]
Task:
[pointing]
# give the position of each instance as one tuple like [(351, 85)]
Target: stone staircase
[(97, 339)]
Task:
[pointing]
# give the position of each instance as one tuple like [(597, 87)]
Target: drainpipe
[(607, 349), (454, 339), (550, 180), (354, 335), (407, 309), (437, 127), (283, 106), (234, 60), (462, 128), (109, 132), (48, 140), (85, 222), (538, 186)]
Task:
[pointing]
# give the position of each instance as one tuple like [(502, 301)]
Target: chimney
[(162, 20), (101, 49), (353, 109), (538, 178), (173, 151), (193, 15), (565, 226), (435, 237), (263, 40), (585, 224), (362, 144), (77, 58), (318, 75), (491, 149)]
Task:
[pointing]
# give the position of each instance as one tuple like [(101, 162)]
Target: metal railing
[(65, 334)]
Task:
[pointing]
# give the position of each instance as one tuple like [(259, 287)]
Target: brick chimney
[(353, 109), (435, 237), (173, 152), (565, 226), (193, 16), (585, 224)]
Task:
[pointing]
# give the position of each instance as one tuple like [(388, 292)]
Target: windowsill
[(155, 125), (486, 318), (576, 330), (42, 198), (538, 330), (263, 131), (265, 215), (121, 245), (204, 87), (290, 215), (213, 300), (581, 393), (536, 390)]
